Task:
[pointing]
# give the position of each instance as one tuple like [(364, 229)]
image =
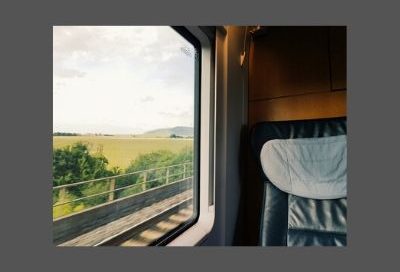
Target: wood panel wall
[(294, 73), (297, 73)]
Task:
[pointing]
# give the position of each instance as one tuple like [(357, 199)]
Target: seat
[(303, 168)]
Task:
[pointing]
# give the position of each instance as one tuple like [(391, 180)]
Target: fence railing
[(78, 196)]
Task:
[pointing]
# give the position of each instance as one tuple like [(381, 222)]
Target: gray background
[(26, 118)]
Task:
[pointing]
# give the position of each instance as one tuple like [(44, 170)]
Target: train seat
[(303, 166)]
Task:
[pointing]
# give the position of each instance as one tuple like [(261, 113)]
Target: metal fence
[(95, 192)]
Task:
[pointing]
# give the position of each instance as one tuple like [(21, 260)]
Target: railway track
[(154, 228), (137, 223)]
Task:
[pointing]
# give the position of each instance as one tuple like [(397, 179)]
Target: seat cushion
[(314, 222)]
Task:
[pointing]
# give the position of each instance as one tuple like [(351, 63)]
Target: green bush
[(74, 163), (154, 178)]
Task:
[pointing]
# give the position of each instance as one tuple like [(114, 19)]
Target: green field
[(120, 151)]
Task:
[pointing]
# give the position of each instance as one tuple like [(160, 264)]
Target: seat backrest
[(312, 212)]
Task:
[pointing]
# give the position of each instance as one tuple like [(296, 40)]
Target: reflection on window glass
[(123, 131)]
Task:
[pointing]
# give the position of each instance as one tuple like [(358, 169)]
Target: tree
[(155, 160), (151, 160), (175, 136), (75, 163)]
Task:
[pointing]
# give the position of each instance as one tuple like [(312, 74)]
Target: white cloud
[(147, 99), (121, 79), (66, 73)]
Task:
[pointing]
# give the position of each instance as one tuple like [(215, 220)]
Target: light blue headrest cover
[(308, 167)]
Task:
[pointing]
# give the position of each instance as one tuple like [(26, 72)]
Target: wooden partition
[(295, 73), (298, 107)]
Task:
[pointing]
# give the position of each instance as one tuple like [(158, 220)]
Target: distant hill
[(167, 132)]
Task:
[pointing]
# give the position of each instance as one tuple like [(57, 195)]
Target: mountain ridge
[(178, 131)]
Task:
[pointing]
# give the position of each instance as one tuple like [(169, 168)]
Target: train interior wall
[(294, 73)]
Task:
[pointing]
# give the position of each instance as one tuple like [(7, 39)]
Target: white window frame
[(196, 233)]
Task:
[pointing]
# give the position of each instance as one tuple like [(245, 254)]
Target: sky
[(121, 79)]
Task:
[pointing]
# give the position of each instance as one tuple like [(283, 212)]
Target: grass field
[(120, 151)]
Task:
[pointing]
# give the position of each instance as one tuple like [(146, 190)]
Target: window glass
[(124, 134)]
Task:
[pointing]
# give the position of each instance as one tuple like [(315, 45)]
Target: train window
[(125, 134)]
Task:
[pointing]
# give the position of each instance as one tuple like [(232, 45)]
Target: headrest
[(308, 167)]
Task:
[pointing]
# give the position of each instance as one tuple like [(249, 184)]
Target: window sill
[(198, 232)]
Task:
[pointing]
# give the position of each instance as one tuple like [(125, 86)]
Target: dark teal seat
[(291, 220)]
